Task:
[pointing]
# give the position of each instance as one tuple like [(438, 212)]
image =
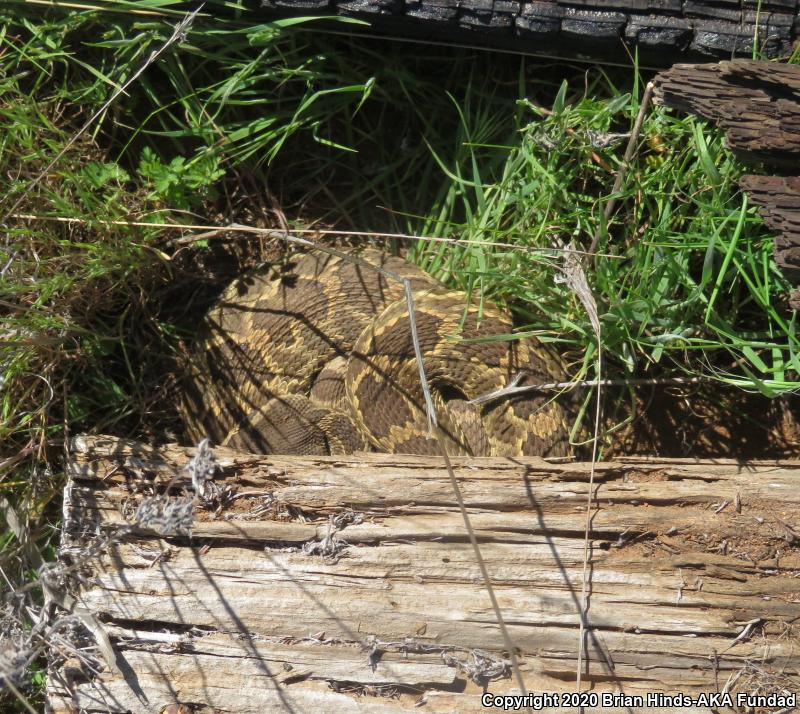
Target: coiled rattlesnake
[(320, 360)]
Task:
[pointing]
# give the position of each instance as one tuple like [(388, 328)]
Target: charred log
[(661, 30)]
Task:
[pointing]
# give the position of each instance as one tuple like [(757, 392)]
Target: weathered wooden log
[(757, 105), (778, 199), (348, 584), (661, 30)]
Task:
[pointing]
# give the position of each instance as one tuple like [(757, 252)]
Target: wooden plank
[(267, 607)]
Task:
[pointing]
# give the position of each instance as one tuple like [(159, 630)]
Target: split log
[(339, 584), (662, 30)]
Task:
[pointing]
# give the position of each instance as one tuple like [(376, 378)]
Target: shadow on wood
[(348, 584)]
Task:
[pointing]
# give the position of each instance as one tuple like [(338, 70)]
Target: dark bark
[(661, 30)]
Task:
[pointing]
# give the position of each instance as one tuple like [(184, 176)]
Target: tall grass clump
[(685, 277)]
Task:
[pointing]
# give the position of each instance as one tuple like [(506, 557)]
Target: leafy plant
[(180, 184)]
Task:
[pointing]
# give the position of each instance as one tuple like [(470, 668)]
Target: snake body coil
[(321, 361)]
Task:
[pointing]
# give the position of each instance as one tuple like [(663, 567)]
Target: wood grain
[(242, 618)]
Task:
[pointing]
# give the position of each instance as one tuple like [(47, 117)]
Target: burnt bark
[(348, 584), (662, 30)]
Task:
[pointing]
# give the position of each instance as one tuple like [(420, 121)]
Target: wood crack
[(218, 621)]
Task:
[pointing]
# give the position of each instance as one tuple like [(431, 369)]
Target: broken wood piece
[(778, 199), (343, 584), (756, 104)]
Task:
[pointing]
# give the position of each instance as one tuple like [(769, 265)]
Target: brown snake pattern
[(320, 360)]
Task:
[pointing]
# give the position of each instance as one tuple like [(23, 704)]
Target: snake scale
[(319, 359)]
